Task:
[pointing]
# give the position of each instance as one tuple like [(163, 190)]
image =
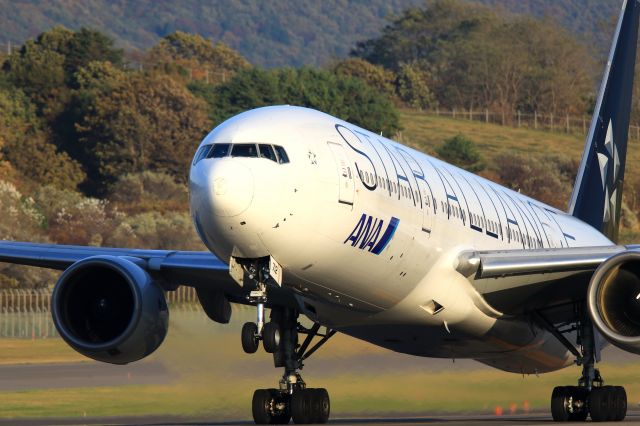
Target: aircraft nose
[(229, 187)]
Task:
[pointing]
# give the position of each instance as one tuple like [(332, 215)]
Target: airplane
[(309, 216)]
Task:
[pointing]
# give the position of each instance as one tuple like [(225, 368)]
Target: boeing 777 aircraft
[(308, 215)]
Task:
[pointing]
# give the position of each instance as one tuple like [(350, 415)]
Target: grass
[(413, 393), (39, 351), (215, 379)]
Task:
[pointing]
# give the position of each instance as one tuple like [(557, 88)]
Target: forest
[(274, 33), (95, 145)]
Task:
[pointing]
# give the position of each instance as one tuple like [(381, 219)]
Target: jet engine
[(613, 300), (110, 309)]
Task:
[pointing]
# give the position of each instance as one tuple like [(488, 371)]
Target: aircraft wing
[(517, 281), (192, 268)]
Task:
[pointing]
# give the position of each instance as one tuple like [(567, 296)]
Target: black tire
[(250, 342), (579, 394), (600, 405), (283, 417), (620, 398), (271, 337), (301, 406), (320, 406), (261, 407), (559, 409)]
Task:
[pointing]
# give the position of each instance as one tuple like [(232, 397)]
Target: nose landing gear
[(252, 332), (292, 399)]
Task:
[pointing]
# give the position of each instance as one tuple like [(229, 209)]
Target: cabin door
[(345, 174)]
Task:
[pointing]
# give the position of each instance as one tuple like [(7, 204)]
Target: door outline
[(346, 182)]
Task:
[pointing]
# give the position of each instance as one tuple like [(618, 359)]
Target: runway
[(520, 420), (83, 374)]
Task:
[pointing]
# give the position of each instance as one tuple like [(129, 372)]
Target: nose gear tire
[(271, 337), (249, 335)]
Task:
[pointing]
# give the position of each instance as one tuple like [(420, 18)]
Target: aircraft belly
[(511, 346)]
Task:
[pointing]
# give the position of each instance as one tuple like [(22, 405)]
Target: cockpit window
[(266, 151), (202, 153), (282, 155), (244, 150), (219, 150)]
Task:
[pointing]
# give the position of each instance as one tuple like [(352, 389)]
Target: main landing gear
[(591, 396), (292, 399)]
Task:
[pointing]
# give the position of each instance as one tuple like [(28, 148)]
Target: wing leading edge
[(192, 268), (517, 281)]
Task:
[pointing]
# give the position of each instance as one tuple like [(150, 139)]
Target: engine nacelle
[(613, 300), (110, 309)]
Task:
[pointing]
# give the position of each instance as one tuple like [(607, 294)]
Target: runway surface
[(520, 420), (84, 374)]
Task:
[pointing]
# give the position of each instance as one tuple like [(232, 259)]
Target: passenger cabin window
[(266, 151), (219, 150), (244, 150)]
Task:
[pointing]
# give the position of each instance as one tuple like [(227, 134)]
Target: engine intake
[(613, 300), (109, 309)]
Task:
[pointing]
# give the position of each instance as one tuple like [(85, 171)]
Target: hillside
[(274, 33)]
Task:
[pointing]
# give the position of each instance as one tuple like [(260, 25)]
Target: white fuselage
[(368, 233)]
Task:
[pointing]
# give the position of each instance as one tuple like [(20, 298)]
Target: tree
[(348, 98), (191, 56), (145, 122), (462, 152), (545, 178), (86, 46), (45, 68), (473, 56), (28, 147), (148, 191), (374, 75), (413, 88)]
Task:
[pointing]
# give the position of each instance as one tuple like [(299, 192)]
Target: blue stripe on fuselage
[(387, 236)]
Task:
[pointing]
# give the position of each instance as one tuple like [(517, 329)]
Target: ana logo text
[(367, 234)]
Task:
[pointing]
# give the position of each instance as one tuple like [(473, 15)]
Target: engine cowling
[(110, 309), (613, 300)]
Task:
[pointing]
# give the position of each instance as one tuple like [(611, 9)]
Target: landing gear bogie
[(279, 336)]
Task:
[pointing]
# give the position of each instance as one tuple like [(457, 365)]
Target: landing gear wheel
[(271, 337), (301, 407), (608, 403), (621, 403), (269, 406), (579, 396), (310, 406), (320, 406), (560, 404), (250, 341), (281, 407), (569, 403), (261, 407), (600, 404)]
